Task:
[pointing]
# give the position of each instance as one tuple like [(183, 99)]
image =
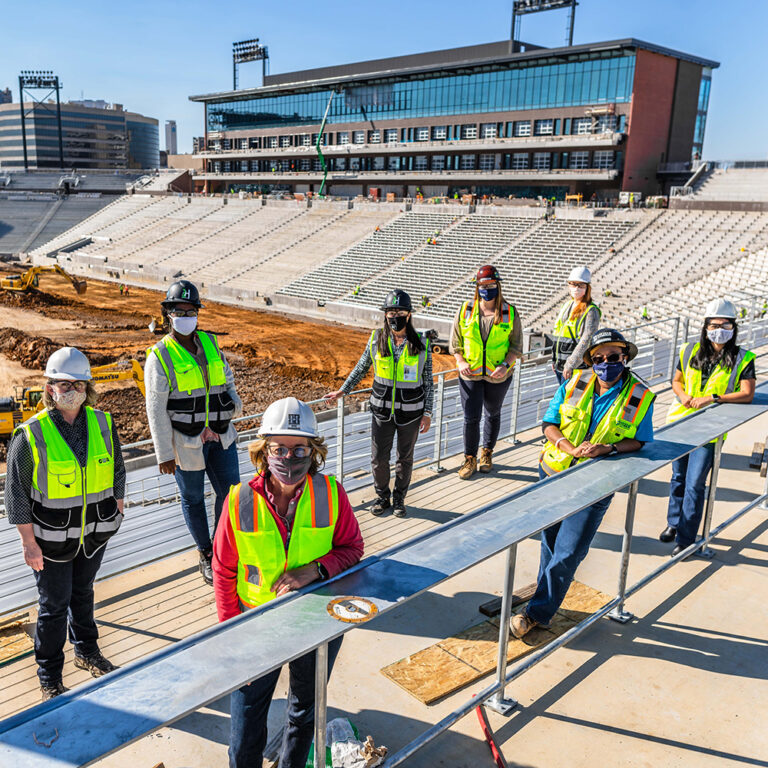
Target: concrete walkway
[(684, 684)]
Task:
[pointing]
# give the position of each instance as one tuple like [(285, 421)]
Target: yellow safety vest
[(720, 382), (620, 422), (195, 401), (567, 332), (484, 356), (260, 551), (72, 506), (398, 389)]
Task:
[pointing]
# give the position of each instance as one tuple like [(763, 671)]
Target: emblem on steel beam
[(352, 610)]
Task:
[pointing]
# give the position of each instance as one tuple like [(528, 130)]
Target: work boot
[(521, 624), (52, 690), (380, 506), (485, 464), (668, 534), (204, 565), (96, 664), (468, 468), (398, 506), (679, 548)]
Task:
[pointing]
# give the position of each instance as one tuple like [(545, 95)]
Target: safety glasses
[(182, 312), (66, 386), (612, 358), (283, 452)]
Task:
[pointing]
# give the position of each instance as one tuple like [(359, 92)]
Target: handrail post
[(684, 334), (517, 373), (321, 703), (673, 350), (436, 467), (498, 702), (340, 439), (618, 613), (752, 321), (705, 551)]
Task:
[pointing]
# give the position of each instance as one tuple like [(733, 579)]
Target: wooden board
[(493, 607), (756, 459), (453, 663), (15, 642)]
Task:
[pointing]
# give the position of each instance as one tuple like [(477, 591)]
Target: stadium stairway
[(734, 184)]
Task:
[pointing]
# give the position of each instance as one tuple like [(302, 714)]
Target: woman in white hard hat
[(307, 532), (64, 493), (577, 321), (713, 369), (401, 398), (486, 339)]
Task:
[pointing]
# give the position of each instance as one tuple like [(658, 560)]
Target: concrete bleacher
[(106, 182), (376, 253), (734, 184)]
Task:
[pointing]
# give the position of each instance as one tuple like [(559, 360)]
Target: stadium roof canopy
[(448, 61)]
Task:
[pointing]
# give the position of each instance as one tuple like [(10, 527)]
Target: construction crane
[(28, 281), (28, 401)]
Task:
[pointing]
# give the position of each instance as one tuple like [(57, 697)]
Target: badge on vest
[(410, 372), (352, 610)]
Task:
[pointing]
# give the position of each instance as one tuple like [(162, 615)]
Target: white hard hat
[(580, 275), (289, 416), (721, 308), (68, 364)]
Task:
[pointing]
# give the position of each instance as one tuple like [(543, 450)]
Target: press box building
[(592, 119)]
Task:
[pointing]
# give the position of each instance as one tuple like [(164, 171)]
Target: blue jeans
[(249, 707), (65, 593), (223, 471), (558, 375), (476, 397), (563, 546), (686, 492)]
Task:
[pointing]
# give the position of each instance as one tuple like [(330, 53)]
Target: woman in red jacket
[(316, 537)]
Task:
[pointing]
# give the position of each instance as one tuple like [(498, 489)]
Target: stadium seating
[(735, 184)]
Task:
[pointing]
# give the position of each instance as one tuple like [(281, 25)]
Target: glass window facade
[(523, 128), (604, 160), (701, 112), (520, 161), (579, 160), (582, 125), (543, 127), (595, 78)]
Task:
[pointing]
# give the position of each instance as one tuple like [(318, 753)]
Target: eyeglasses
[(574, 284), (282, 451), (182, 312), (399, 313), (66, 386), (612, 358), (715, 326)]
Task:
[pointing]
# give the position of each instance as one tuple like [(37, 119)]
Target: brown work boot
[(468, 468), (484, 464), (520, 625)]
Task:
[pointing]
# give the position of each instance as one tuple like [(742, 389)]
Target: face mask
[(289, 470), (608, 371), (576, 292), (397, 323), (487, 293), (68, 401), (184, 325), (719, 335)]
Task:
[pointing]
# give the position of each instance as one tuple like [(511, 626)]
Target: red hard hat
[(488, 272)]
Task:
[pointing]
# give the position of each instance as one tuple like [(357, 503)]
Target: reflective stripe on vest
[(398, 388), (620, 421), (261, 553), (483, 357), (720, 382), (568, 330), (191, 404)]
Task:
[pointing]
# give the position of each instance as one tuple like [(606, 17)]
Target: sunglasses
[(66, 386), (182, 312), (282, 452), (397, 314), (612, 358)]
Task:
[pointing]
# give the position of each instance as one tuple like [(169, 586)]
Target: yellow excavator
[(29, 400), (28, 281)]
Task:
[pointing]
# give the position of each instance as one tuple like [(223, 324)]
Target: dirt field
[(272, 355)]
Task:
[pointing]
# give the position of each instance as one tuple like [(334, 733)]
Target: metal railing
[(133, 702)]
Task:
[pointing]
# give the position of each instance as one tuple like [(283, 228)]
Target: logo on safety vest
[(294, 421), (352, 610)]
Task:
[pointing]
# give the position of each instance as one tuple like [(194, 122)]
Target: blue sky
[(150, 56)]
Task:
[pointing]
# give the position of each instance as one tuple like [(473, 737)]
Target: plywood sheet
[(14, 640)]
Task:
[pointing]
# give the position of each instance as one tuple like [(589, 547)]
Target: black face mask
[(289, 470), (397, 323)]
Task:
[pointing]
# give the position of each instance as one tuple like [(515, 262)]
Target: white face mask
[(577, 292), (68, 401), (184, 325), (720, 335)]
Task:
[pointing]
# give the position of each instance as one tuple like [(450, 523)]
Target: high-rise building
[(591, 119), (94, 135), (171, 145), (6, 97)]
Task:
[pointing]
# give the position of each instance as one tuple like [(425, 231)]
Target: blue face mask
[(487, 293), (608, 371)]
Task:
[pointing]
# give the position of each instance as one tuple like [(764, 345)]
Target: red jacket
[(347, 548)]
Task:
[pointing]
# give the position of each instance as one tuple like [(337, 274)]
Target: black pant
[(382, 436), (476, 397), (249, 707), (66, 601)]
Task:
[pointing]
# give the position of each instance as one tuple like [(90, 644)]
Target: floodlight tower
[(248, 50), (37, 80), (521, 8)]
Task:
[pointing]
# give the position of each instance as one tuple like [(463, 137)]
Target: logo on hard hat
[(185, 293), (294, 421), (395, 300)]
